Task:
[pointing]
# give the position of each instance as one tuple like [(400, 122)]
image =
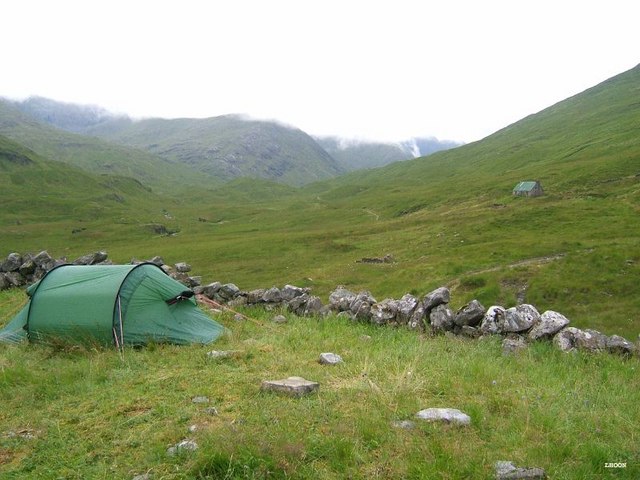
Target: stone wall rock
[(471, 314), (519, 324), (550, 323), (519, 319), (441, 318), (493, 317), (340, 299), (436, 297)]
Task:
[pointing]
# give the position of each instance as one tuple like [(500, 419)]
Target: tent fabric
[(111, 304), (14, 332)]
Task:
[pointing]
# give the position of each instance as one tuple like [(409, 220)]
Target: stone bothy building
[(528, 189)]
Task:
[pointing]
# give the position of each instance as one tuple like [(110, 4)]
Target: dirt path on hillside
[(454, 283)]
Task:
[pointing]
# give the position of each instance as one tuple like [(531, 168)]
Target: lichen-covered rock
[(441, 319), (445, 415), (491, 320), (211, 289), (44, 261), (384, 312), (313, 306), (620, 345), (11, 263), (508, 471), (228, 291), (361, 306), (4, 282), (565, 339), (27, 268), (550, 323), (519, 318), (182, 267), (91, 258), (272, 295), (471, 314), (406, 305), (591, 341), (297, 304), (341, 298), (184, 446), (293, 386), (157, 260), (418, 318), (255, 296), (436, 297), (15, 279), (305, 305), (329, 358), (570, 338), (289, 292)]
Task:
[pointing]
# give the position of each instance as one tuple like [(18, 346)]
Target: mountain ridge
[(233, 145), (93, 154)]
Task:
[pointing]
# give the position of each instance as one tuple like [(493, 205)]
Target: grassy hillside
[(37, 190), (448, 219), (228, 147), (95, 155), (74, 412)]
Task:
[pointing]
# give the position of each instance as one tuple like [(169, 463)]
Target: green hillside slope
[(228, 147), (95, 155), (447, 219), (39, 190)]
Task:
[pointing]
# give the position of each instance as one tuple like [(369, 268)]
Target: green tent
[(111, 304)]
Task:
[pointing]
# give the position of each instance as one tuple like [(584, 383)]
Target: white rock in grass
[(446, 415), (294, 386), (220, 354), (143, 476), (330, 358), (508, 471), (404, 424), (183, 446)]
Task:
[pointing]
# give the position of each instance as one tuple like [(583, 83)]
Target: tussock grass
[(96, 415)]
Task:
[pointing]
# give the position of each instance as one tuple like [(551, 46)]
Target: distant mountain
[(423, 146), (232, 146), (93, 154), (67, 116), (227, 147), (224, 147), (355, 154)]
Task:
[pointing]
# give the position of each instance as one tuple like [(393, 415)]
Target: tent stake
[(213, 303)]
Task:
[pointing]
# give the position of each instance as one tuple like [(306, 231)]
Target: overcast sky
[(386, 70)]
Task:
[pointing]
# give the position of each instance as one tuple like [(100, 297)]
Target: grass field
[(447, 219), (92, 413)]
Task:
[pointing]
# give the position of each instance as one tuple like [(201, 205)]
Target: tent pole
[(121, 346)]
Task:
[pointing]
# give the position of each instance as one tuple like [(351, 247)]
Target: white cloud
[(375, 69)]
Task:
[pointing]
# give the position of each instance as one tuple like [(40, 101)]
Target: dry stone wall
[(432, 313)]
